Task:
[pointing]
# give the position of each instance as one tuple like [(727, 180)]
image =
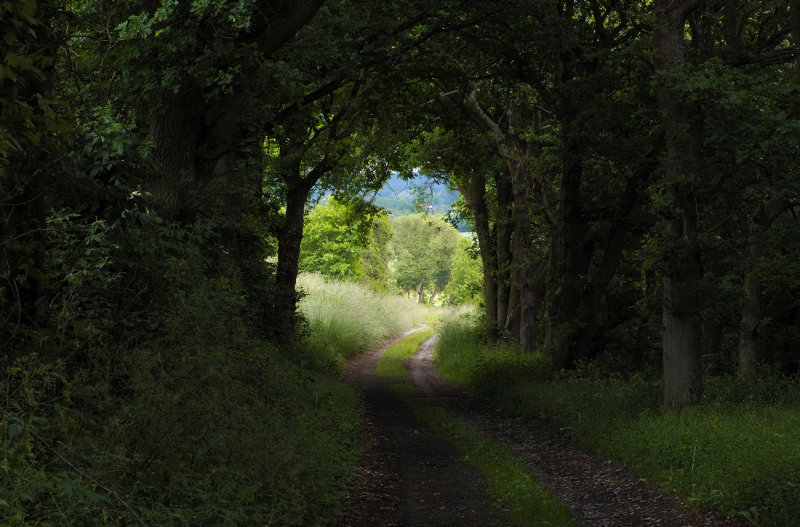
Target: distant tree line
[(417, 254)]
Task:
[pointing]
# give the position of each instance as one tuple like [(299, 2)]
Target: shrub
[(203, 425)]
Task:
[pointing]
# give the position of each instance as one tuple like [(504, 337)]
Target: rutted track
[(597, 492), (412, 477), (409, 476)]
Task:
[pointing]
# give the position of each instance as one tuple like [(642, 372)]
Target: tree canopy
[(630, 171), (423, 247)]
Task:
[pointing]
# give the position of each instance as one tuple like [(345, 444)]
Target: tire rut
[(597, 492), (409, 476)]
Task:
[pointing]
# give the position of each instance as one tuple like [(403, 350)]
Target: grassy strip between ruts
[(526, 500), (391, 363)]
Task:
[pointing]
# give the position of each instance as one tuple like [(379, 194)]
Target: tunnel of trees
[(630, 171)]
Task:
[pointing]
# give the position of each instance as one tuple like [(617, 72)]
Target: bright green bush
[(738, 453)]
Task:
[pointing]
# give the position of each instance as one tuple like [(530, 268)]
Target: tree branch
[(778, 56), (291, 17)]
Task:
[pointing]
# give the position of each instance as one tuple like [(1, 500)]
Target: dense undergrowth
[(739, 452), (205, 425)]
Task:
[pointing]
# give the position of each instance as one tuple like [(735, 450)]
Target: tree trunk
[(515, 151), (475, 196), (224, 177), (591, 300), (682, 270), (681, 341), (289, 240), (752, 307), (568, 263), (576, 255), (512, 319), (421, 292), (552, 282), (565, 263), (175, 128), (523, 260), (749, 342), (505, 230)]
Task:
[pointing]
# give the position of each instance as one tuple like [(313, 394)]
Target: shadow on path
[(409, 476)]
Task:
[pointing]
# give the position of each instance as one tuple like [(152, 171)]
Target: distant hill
[(399, 197)]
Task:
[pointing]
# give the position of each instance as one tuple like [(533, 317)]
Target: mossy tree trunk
[(474, 193), (682, 269)]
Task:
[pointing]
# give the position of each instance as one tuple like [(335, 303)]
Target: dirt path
[(411, 477)]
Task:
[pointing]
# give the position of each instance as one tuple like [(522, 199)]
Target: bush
[(204, 425)]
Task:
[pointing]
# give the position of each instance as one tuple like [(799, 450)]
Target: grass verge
[(738, 453), (527, 502), (205, 425)]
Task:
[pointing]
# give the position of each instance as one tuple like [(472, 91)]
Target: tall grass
[(345, 318), (739, 452)]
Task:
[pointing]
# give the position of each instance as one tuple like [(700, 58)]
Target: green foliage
[(466, 281), (376, 257), (136, 213), (493, 371), (266, 436), (334, 239), (166, 404), (28, 105), (346, 241), (735, 453), (346, 318), (423, 247), (734, 458), (204, 425)]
